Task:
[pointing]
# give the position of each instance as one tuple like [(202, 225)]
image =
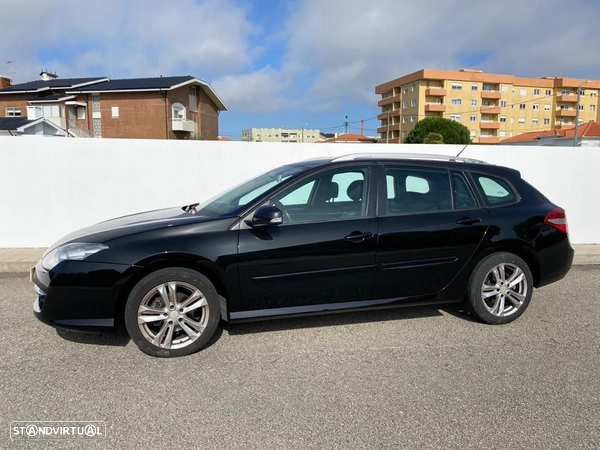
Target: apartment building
[(492, 106), (280, 135), (179, 107)]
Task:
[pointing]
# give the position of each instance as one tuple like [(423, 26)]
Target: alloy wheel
[(504, 289), (172, 315)]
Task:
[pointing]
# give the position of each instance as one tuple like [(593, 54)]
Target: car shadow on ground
[(344, 318)]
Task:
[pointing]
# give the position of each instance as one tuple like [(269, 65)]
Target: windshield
[(237, 198)]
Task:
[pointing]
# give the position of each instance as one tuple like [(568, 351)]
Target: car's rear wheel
[(500, 288), (172, 312)]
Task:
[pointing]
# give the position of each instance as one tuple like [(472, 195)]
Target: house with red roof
[(588, 136), (349, 138)]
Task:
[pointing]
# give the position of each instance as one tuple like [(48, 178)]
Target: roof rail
[(418, 156)]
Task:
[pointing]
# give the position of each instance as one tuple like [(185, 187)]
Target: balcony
[(384, 115), (568, 98), (385, 128), (436, 92), (490, 110), (435, 107), (491, 94), (187, 126), (489, 139), (389, 100), (566, 112), (491, 125)]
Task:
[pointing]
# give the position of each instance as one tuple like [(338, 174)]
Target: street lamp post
[(576, 131)]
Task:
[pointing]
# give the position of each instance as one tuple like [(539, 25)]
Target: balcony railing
[(489, 125), (570, 98), (435, 107), (188, 126), (566, 112), (384, 115), (491, 94), (437, 92), (489, 139), (388, 100), (490, 110)]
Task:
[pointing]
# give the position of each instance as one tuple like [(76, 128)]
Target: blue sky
[(298, 62)]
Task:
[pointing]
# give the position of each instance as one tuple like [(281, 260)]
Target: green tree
[(452, 132), (433, 138)]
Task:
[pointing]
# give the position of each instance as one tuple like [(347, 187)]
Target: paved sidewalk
[(23, 259)]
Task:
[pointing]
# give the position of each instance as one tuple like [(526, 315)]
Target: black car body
[(394, 237)]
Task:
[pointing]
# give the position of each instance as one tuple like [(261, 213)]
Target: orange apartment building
[(178, 107), (492, 106)]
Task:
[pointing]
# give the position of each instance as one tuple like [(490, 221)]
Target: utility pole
[(346, 129), (576, 131), (387, 133)]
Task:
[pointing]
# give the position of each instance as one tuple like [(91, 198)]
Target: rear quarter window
[(496, 191)]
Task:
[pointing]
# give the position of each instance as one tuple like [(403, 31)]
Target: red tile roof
[(223, 138), (590, 129), (352, 137)]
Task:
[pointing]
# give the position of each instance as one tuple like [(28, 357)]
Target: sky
[(298, 63)]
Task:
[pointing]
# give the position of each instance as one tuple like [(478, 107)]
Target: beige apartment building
[(280, 135), (492, 106)]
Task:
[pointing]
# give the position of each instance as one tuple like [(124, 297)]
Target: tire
[(499, 289), (178, 311)]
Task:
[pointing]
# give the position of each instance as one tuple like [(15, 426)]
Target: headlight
[(70, 251)]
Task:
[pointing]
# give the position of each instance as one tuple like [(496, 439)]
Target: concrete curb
[(21, 260)]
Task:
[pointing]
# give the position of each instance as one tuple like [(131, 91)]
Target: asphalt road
[(419, 378)]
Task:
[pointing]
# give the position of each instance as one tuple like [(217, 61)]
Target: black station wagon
[(359, 231)]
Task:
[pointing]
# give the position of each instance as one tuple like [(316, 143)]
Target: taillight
[(557, 218)]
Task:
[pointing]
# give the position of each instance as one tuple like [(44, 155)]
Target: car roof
[(406, 156)]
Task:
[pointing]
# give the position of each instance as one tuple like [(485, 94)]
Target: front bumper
[(79, 295)]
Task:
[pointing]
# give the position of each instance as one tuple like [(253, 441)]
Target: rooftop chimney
[(4, 82), (47, 76)]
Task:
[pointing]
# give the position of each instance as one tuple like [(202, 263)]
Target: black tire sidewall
[(474, 300), (151, 281)]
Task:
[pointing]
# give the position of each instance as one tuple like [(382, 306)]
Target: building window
[(502, 133), (504, 89), (548, 92), (473, 118), (403, 134), (178, 111), (13, 112), (192, 91), (546, 121), (404, 119), (523, 92), (503, 119), (536, 106), (50, 111), (473, 133), (594, 94), (456, 101), (115, 112), (487, 88), (473, 102), (521, 120), (592, 107), (565, 92), (405, 89), (455, 117), (534, 122), (522, 106), (474, 87), (457, 86), (546, 107), (412, 88), (536, 92), (404, 105), (512, 120), (413, 118), (413, 102), (503, 104), (581, 107)]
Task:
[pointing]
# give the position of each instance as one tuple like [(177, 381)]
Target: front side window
[(333, 195), (496, 191), (417, 190)]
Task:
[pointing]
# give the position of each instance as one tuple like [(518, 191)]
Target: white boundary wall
[(51, 186)]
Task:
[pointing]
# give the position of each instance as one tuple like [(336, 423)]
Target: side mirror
[(267, 215)]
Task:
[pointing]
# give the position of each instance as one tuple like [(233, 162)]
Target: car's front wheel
[(500, 288), (172, 312)]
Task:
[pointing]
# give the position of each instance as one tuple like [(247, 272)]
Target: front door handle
[(358, 236), (468, 221)]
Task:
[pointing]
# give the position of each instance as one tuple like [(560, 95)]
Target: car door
[(430, 224), (322, 253)]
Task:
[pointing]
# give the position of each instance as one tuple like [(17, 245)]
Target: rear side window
[(417, 190), (496, 191), (463, 196)]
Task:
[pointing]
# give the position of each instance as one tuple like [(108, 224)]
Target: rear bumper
[(555, 262), (78, 295)]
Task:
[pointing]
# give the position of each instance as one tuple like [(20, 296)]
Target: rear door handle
[(468, 221), (357, 236)]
